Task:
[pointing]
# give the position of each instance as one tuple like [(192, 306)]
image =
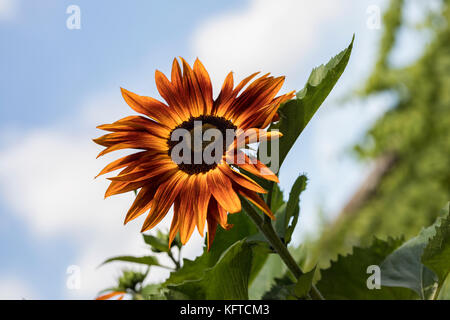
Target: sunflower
[(201, 192)]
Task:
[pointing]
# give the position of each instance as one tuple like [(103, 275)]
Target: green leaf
[(444, 293), (283, 289), (261, 252), (274, 275), (130, 280), (147, 260), (436, 255), (286, 288), (287, 215), (157, 244), (150, 291), (273, 268), (227, 279), (193, 270), (277, 198), (412, 265), (347, 277), (304, 284), (296, 113), (403, 268)]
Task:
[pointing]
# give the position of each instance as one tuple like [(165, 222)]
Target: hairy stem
[(177, 263), (268, 231)]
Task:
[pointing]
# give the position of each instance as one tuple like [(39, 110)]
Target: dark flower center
[(197, 145)]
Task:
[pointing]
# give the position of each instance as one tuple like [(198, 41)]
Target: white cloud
[(47, 181), (13, 288), (8, 9), (265, 36)]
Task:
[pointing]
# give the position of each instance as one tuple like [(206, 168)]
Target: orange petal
[(117, 187), (222, 190), (273, 109), (140, 139), (229, 113), (118, 137), (158, 168), (149, 142), (257, 201), (169, 93), (263, 92), (175, 226), (186, 210), (225, 97), (250, 94), (262, 117), (137, 123), (178, 83), (212, 228), (253, 135), (176, 77), (241, 179), (216, 215), (258, 95), (276, 117), (152, 108), (205, 85), (223, 218), (110, 295), (252, 165), (141, 203), (203, 200), (124, 161), (163, 199), (244, 82), (192, 89)]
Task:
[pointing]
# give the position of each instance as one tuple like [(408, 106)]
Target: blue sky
[(58, 84)]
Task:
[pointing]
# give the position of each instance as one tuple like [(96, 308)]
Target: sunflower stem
[(269, 233), (266, 218), (177, 263)]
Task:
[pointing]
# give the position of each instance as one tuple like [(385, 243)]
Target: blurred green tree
[(410, 143)]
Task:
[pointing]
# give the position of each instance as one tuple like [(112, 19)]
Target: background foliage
[(414, 132)]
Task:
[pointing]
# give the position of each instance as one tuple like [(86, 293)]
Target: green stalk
[(268, 231), (177, 263)]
